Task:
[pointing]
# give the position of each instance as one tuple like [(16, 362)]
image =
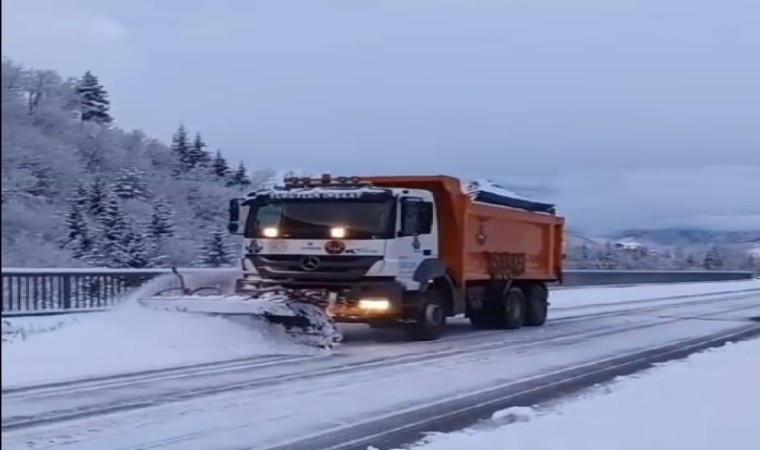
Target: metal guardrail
[(69, 290)]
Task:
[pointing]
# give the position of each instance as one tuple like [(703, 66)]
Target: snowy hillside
[(637, 253), (79, 191)]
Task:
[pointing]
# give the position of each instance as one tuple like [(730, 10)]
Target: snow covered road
[(263, 403), (638, 411)]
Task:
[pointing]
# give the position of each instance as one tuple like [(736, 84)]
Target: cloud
[(48, 20), (709, 196), (100, 27)]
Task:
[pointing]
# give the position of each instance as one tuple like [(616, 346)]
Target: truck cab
[(365, 246)]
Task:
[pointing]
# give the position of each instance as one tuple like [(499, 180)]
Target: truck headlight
[(374, 304), (270, 232), (338, 232)]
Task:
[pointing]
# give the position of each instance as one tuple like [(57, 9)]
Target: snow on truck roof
[(487, 191), (479, 190)]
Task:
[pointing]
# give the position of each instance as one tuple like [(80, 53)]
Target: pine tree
[(197, 156), (138, 251), (78, 237), (215, 251), (690, 261), (712, 259), (161, 223), (608, 257), (98, 196), (93, 100), (181, 147), (81, 197), (130, 184), (113, 229), (239, 177), (42, 176), (219, 165)]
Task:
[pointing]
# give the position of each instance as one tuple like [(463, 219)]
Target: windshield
[(315, 219)]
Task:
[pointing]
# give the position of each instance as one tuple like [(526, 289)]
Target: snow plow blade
[(304, 319)]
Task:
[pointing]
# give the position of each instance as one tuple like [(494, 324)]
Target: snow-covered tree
[(216, 251), (81, 197), (130, 184), (113, 229), (219, 165), (161, 223), (607, 258), (712, 259), (197, 156), (42, 178), (48, 148), (138, 251), (98, 196), (181, 147), (94, 103), (78, 237), (239, 177)]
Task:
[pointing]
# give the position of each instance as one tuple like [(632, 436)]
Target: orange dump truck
[(406, 251)]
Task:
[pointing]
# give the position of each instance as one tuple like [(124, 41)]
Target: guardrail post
[(66, 294)]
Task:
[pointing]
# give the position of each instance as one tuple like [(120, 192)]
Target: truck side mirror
[(234, 222)]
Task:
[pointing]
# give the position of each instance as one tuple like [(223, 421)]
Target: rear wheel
[(431, 320), (537, 305), (511, 314)]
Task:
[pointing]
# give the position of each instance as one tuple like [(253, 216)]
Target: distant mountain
[(687, 236)]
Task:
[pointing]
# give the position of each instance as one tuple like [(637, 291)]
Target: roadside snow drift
[(129, 338), (709, 401), (590, 296)]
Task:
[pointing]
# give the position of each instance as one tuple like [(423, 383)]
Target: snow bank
[(582, 296), (129, 338), (705, 402), (20, 328)]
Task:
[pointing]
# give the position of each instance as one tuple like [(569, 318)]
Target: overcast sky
[(627, 113)]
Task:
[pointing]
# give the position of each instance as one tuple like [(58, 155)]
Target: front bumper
[(353, 302)]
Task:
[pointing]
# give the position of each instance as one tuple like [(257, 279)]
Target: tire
[(431, 322), (511, 314), (537, 305)]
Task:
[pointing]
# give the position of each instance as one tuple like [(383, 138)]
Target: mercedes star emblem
[(310, 263)]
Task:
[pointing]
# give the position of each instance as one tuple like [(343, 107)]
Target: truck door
[(416, 239)]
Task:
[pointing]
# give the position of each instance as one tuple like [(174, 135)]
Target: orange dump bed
[(482, 240)]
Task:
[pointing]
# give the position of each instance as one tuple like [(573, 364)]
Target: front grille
[(329, 267)]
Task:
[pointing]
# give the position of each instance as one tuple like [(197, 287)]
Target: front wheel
[(431, 322)]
